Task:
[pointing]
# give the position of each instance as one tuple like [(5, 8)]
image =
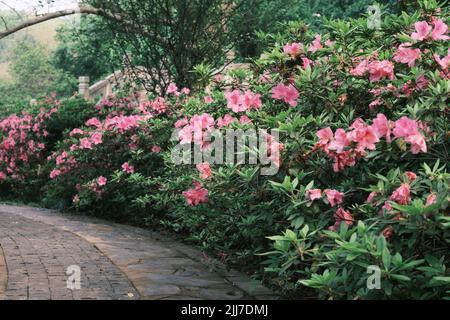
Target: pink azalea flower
[(181, 123), (96, 138), (422, 82), (208, 99), (240, 103), (245, 120), (374, 103), (444, 63), (307, 63), (85, 143), (102, 181), (313, 194), (411, 176), (225, 121), (402, 194), (205, 170), (371, 196), (325, 134), (341, 215), (196, 195), (127, 168), (159, 105), (329, 43), (407, 55), (440, 30), (75, 132), (94, 122), (2, 176), (334, 197), (172, 88), (340, 141), (387, 206), (422, 30), (405, 127), (388, 232), (431, 199), (365, 137), (234, 101), (361, 69), (156, 149), (381, 69), (316, 45), (293, 49), (381, 127), (185, 91), (417, 142), (55, 173), (286, 93), (76, 199)]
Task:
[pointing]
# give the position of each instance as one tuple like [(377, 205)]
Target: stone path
[(116, 261)]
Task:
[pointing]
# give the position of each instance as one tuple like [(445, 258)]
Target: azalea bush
[(362, 113), (355, 127)]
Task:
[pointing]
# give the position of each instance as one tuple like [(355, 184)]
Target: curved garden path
[(116, 261)]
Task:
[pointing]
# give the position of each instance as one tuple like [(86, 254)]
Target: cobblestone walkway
[(116, 261)]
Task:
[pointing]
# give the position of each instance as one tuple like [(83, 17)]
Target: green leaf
[(386, 257)]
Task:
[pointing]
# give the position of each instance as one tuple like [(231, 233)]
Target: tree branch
[(57, 14)]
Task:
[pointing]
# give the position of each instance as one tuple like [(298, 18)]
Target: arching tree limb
[(57, 14)]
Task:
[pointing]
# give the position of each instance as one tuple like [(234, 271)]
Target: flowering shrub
[(361, 178), (22, 148), (98, 166)]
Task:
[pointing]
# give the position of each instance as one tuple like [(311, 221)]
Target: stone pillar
[(108, 90), (83, 87), (230, 56)]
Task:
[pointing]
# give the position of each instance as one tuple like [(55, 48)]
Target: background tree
[(34, 74), (86, 49)]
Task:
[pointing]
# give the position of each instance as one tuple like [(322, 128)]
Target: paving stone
[(116, 261), (37, 256)]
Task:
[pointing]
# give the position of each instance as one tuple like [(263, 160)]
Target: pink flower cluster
[(377, 70), (239, 102), (423, 31), (444, 63), (402, 195), (22, 142), (287, 93), (127, 168), (199, 127), (274, 148), (228, 119), (205, 170), (293, 49), (334, 198), (405, 54), (196, 130), (173, 89), (346, 147), (196, 195), (316, 45), (154, 107)]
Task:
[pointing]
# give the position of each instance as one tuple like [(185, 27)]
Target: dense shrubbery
[(362, 160)]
